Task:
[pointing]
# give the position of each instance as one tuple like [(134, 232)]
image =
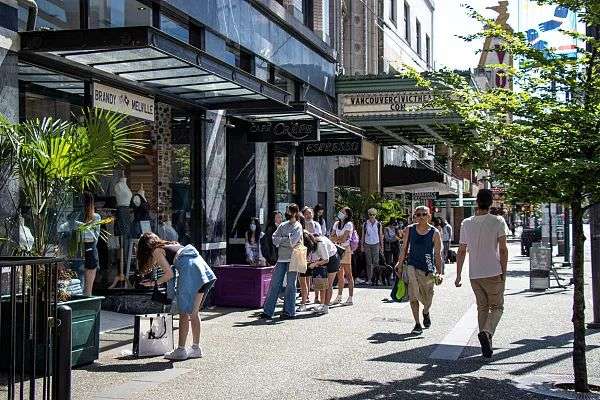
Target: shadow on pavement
[(139, 366), (384, 337)]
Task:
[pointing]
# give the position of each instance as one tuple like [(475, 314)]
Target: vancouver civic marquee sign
[(384, 103), (121, 101), (284, 131), (333, 147)]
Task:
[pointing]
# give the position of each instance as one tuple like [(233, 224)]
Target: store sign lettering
[(113, 99), (340, 147), (389, 103), (284, 131)]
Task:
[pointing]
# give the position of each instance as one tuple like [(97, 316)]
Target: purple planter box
[(242, 285)]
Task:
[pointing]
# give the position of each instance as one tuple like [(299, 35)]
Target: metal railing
[(35, 332)]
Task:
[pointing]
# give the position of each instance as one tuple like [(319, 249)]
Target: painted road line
[(453, 344)]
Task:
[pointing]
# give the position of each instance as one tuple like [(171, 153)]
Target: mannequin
[(142, 192), (141, 212), (26, 239), (122, 193), (165, 229)]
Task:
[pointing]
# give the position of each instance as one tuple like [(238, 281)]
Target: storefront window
[(174, 28), (285, 177), (53, 15), (181, 185), (116, 13)]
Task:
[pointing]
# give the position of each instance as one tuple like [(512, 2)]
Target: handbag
[(354, 240), (160, 295), (399, 290), (298, 261), (153, 335)]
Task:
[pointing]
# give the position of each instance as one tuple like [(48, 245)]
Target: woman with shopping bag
[(194, 279), (291, 259)]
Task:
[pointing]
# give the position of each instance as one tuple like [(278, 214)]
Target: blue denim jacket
[(191, 273)]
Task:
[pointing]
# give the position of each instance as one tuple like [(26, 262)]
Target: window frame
[(428, 49), (392, 13), (407, 22), (418, 37)]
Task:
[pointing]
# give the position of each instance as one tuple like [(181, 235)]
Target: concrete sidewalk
[(363, 351)]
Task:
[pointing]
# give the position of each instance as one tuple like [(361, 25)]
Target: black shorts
[(206, 287), (306, 274), (334, 264), (90, 255)]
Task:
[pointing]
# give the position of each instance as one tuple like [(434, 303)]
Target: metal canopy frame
[(331, 126), (152, 58)]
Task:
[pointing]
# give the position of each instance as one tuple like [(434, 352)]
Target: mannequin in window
[(123, 195), (141, 212), (166, 230), (142, 192)]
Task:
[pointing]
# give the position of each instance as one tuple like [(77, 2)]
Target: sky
[(451, 20)]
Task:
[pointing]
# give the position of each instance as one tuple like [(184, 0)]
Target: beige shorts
[(347, 257), (420, 286)]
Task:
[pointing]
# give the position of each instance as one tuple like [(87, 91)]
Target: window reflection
[(174, 28), (53, 15), (115, 13)]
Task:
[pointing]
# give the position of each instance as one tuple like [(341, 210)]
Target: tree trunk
[(579, 361)]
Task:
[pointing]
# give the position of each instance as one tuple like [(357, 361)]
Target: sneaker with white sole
[(349, 302), (337, 300), (302, 308), (316, 309), (195, 352), (179, 354), (323, 310)]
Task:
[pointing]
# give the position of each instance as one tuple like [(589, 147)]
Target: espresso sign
[(284, 131), (385, 103), (113, 99), (332, 147)]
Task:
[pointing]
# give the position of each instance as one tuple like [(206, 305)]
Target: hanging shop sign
[(284, 131), (466, 202), (385, 103), (422, 196), (333, 147), (121, 101)]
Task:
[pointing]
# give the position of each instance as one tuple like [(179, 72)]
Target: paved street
[(360, 352)]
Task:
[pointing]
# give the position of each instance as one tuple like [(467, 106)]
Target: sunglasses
[(420, 215)]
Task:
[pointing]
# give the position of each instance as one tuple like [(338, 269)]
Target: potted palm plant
[(52, 160)]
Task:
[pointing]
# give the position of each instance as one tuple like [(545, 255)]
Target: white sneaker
[(337, 300), (179, 354), (349, 301), (324, 310), (317, 308), (195, 352), (302, 308)]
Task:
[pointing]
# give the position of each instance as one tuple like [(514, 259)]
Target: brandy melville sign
[(385, 103), (112, 99), (333, 147), (284, 131)]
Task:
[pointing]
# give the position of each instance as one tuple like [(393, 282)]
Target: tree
[(542, 139)]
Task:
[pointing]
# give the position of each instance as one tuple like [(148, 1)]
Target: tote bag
[(153, 335), (298, 261), (399, 290)]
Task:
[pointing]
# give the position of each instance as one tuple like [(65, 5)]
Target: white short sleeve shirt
[(480, 233)]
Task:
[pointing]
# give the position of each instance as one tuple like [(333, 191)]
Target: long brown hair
[(146, 245), (89, 208)]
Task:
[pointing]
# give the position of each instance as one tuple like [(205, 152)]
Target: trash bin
[(540, 259)]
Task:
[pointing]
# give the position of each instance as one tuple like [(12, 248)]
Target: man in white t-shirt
[(484, 237)]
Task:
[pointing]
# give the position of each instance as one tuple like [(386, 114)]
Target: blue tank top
[(420, 253)]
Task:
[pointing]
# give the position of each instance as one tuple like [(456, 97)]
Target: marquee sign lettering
[(284, 131), (333, 147), (385, 103)]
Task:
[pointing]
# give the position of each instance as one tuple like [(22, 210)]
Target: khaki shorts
[(420, 286)]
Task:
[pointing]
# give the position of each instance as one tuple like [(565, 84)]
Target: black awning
[(50, 79), (330, 125), (156, 60)]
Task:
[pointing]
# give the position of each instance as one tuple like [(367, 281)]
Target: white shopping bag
[(153, 335)]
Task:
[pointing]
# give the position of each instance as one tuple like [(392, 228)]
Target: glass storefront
[(153, 192), (115, 13)]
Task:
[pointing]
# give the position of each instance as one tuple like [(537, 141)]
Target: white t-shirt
[(314, 227), (325, 248), (480, 233), (371, 233), (349, 227)]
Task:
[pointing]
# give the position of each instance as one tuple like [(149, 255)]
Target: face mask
[(341, 216), (252, 227)]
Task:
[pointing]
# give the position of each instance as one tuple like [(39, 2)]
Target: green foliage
[(360, 203)]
